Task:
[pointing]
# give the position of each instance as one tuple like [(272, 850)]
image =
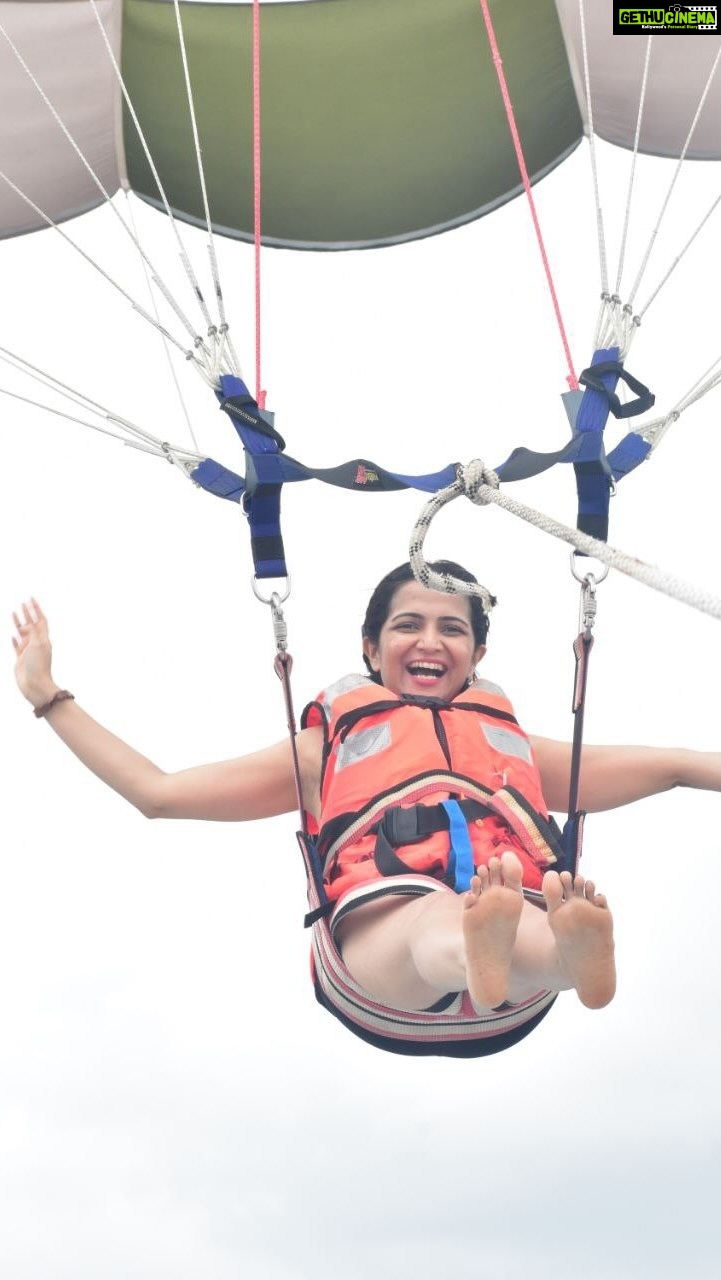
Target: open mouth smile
[(427, 672)]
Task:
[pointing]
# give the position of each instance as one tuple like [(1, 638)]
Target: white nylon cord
[(96, 265), (78, 151), (680, 255), (616, 325), (634, 158), (199, 161), (69, 417), (592, 147), (166, 348), (62, 389), (136, 438), (674, 179), (224, 357), (480, 484), (187, 264)]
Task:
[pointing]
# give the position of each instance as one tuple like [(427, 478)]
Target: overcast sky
[(172, 1101)]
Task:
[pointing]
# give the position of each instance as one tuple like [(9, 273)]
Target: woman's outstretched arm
[(614, 776), (260, 785)]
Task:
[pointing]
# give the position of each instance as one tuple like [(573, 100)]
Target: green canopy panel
[(382, 120)]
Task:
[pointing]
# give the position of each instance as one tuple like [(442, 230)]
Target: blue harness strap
[(268, 467), (261, 500), (460, 859), (596, 473)]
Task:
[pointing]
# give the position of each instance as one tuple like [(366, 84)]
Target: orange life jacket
[(387, 758)]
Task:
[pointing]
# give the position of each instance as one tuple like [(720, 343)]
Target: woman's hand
[(33, 652)]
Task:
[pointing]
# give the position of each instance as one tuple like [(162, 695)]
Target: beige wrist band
[(62, 695)]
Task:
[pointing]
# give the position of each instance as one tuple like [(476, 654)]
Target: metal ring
[(274, 598), (597, 577)]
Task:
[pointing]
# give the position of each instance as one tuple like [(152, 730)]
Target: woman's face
[(426, 645)]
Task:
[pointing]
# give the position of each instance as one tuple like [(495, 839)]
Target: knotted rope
[(481, 485)]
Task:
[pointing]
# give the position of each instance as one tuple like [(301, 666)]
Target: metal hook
[(589, 605), (280, 626)]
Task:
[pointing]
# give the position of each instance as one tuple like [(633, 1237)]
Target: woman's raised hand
[(33, 652)]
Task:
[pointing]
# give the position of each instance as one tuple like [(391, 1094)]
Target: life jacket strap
[(401, 826)]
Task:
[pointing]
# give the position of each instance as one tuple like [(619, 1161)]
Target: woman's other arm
[(614, 776)]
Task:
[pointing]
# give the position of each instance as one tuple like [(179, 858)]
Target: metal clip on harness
[(573, 829)]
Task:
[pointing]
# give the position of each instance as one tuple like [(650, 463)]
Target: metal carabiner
[(280, 627), (589, 605)]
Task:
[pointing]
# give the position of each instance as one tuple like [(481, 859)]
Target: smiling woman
[(435, 846)]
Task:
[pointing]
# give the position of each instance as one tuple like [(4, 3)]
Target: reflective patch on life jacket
[(488, 686), (362, 744), (346, 684), (509, 743)]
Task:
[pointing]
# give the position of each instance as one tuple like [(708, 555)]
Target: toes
[(552, 889), (494, 871), (579, 887), (511, 870), (566, 880), (474, 891)]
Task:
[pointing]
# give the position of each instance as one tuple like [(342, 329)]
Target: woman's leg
[(489, 942)]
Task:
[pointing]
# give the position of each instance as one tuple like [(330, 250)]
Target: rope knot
[(474, 477)]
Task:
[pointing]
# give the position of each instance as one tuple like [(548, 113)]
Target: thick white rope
[(480, 484)]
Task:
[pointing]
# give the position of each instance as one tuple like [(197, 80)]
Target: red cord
[(510, 116), (259, 393)]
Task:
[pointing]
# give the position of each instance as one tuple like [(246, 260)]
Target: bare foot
[(583, 928), (493, 908)]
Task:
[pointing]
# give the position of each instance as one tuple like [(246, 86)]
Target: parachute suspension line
[(189, 355), (70, 417), (171, 366), (634, 158), (654, 431), (616, 325), (672, 184), (149, 442), (203, 188), (480, 484), (88, 167), (592, 149), (680, 255), (260, 394), (510, 117), (216, 361)]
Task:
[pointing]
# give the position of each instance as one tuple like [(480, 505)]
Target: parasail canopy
[(381, 119)]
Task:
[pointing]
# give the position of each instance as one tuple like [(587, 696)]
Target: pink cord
[(259, 393), (510, 116)]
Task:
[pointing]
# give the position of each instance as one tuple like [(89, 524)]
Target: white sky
[(172, 1101)]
